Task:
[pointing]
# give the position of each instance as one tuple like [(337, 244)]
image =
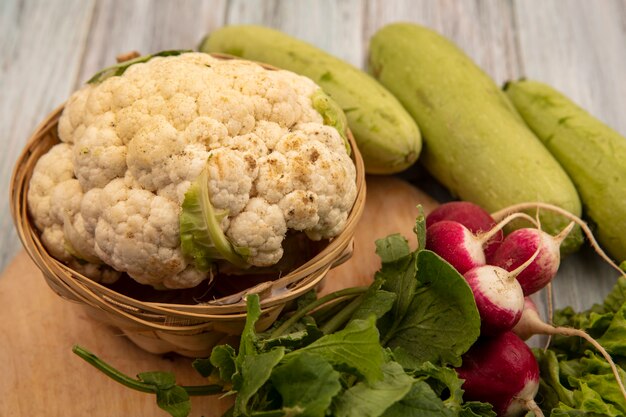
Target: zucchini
[(593, 154), (475, 143), (386, 135)]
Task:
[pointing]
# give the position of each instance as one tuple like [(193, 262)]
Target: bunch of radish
[(502, 272)]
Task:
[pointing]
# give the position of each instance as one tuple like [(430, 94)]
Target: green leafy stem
[(319, 303), (120, 68), (137, 384)]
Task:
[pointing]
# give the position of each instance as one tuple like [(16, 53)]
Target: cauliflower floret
[(71, 122), (322, 133), (242, 148), (55, 198), (236, 112), (138, 233), (207, 131), (330, 175), (300, 209), (52, 168), (97, 272), (98, 154), (229, 187), (66, 200), (54, 240), (274, 180), (268, 223), (151, 151), (269, 132)]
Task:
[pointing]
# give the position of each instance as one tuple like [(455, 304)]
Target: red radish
[(456, 244), (459, 246), (550, 207), (499, 298), (516, 248), (498, 294), (527, 326), (470, 215), (503, 371), (531, 324)]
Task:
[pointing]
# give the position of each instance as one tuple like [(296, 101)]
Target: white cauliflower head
[(178, 162)]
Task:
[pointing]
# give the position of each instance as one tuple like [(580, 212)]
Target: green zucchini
[(475, 143), (387, 137), (593, 154)]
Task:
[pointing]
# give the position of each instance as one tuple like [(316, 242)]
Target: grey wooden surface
[(48, 48)]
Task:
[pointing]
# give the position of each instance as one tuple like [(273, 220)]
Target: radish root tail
[(550, 207), (483, 237), (568, 331), (531, 405), (550, 310)]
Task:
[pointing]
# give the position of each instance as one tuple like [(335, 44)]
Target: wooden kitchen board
[(42, 377)]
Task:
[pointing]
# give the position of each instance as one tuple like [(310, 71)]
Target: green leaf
[(421, 401), (392, 248), (306, 383), (306, 299), (170, 397), (223, 358), (203, 365), (614, 339), (592, 322), (596, 373), (442, 380), (201, 237), (271, 413), (355, 348), (174, 400), (372, 399), (332, 114), (399, 277), (588, 403), (617, 297), (247, 344), (477, 409), (255, 371), (442, 321), (376, 303), (550, 375), (302, 333), (420, 228), (120, 68)]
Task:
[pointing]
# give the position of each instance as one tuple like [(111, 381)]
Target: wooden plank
[(41, 376), (42, 44), (334, 26), (146, 26), (482, 28), (580, 49)]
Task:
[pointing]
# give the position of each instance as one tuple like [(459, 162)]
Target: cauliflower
[(170, 164)]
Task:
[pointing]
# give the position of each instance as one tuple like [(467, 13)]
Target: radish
[(498, 295), (459, 246), (470, 215), (550, 207), (516, 248), (531, 324), (503, 371)]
